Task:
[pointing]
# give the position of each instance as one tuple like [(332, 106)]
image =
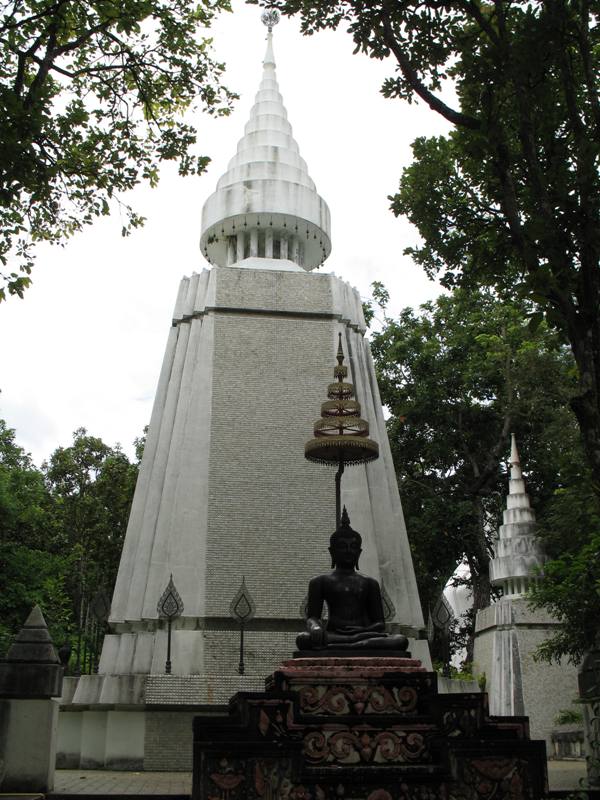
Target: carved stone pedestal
[(363, 729)]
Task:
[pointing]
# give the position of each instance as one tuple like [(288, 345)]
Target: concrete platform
[(566, 775), (562, 776), (99, 783)]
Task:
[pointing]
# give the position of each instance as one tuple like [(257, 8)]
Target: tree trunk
[(479, 565), (585, 344)]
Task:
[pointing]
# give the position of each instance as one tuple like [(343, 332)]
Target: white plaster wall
[(483, 656), (93, 739), (30, 745), (547, 688), (507, 636), (147, 560), (125, 732), (294, 200), (68, 742), (454, 686)]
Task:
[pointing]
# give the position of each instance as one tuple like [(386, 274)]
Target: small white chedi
[(224, 491), (508, 632)]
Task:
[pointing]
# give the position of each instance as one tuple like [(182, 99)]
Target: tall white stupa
[(224, 492)]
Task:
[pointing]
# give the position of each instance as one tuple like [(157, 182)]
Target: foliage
[(570, 589), (24, 498), (62, 529), (569, 524), (379, 296), (30, 577), (511, 198), (91, 100), (568, 716), (458, 378), (92, 486), (465, 673)]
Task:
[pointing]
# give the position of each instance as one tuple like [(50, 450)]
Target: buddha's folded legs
[(361, 641), (335, 638), (378, 642)]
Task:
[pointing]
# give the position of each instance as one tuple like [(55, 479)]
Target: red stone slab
[(351, 667)]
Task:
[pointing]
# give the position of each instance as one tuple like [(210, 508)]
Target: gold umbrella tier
[(334, 426), (340, 408), (340, 389), (346, 449)]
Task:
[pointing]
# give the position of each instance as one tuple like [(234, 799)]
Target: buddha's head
[(345, 545)]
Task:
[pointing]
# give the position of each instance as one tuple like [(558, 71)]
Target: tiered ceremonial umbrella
[(341, 436)]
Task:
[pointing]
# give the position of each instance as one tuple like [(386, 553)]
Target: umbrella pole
[(338, 500)]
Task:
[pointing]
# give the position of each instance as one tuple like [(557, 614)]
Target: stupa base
[(363, 729)]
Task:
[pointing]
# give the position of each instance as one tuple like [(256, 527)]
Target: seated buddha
[(353, 601)]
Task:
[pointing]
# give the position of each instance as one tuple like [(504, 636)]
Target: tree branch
[(588, 70), (75, 43), (437, 105), (46, 12), (473, 9)]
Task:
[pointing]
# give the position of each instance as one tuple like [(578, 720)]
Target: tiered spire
[(266, 212), (518, 551)]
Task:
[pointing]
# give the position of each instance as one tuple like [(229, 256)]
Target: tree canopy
[(458, 377), (511, 198), (91, 99)]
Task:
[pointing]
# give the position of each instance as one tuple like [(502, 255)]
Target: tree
[(511, 198), (570, 589), (91, 100), (61, 534), (92, 486), (458, 378), (24, 499), (33, 576), (29, 575)]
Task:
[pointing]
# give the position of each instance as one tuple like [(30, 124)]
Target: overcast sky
[(85, 345)]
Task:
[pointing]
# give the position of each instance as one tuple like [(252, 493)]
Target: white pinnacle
[(269, 55), (266, 212), (515, 463)]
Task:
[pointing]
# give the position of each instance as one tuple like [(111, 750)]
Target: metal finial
[(340, 352), (169, 606), (270, 17), (242, 609)]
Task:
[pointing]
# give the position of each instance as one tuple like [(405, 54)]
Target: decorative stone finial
[(33, 645), (270, 17), (31, 668)]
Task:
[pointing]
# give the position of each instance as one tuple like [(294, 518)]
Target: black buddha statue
[(356, 621)]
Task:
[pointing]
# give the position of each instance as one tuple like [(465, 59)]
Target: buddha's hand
[(316, 632)]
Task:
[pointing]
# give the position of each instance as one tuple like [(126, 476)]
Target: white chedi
[(519, 554)]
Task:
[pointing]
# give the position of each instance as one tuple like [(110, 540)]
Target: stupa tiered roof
[(519, 554), (266, 212)]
